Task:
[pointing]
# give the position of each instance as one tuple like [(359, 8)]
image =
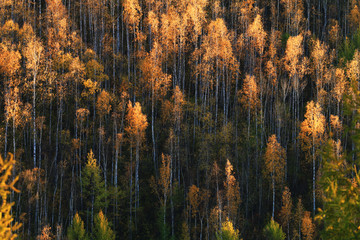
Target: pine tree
[(76, 230), (227, 231), (102, 229), (273, 231), (95, 193)]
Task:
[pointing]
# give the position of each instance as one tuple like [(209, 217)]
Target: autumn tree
[(307, 226), (218, 66), (33, 53), (339, 87), (321, 60), (135, 129), (274, 164), (312, 134), (232, 192), (156, 82), (294, 15), (286, 208), (198, 199), (296, 65), (7, 226)]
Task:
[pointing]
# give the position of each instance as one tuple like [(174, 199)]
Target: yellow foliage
[(132, 13), (137, 123), (103, 104), (91, 160), (294, 61), (9, 61), (275, 156), (285, 212), (340, 85), (257, 34), (232, 191), (194, 199), (250, 93), (7, 227), (312, 129)]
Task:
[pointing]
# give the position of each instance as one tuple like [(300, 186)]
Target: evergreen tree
[(102, 229), (76, 231), (227, 231), (94, 190), (273, 231)]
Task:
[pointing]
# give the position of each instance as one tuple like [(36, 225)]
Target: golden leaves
[(91, 161), (340, 85), (153, 78), (132, 13), (312, 129), (307, 226), (33, 53), (103, 103), (294, 61), (7, 227), (285, 212), (275, 156), (250, 93), (232, 190), (137, 123), (194, 199), (257, 34), (81, 114), (9, 61), (161, 186)]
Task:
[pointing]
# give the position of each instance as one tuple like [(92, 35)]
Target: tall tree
[(312, 134), (274, 164), (137, 124)]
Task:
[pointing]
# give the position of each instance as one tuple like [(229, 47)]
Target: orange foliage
[(179, 101), (275, 156), (307, 226), (194, 199), (9, 61), (250, 93), (340, 85), (13, 105), (153, 78), (257, 34), (137, 123), (103, 104), (132, 13), (294, 61), (312, 129), (232, 190), (336, 124), (285, 212), (320, 58)]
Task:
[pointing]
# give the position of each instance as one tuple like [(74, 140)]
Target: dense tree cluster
[(192, 119)]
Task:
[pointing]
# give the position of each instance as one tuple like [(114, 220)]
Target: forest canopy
[(181, 119)]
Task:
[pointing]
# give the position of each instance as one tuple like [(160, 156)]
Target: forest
[(179, 119)]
